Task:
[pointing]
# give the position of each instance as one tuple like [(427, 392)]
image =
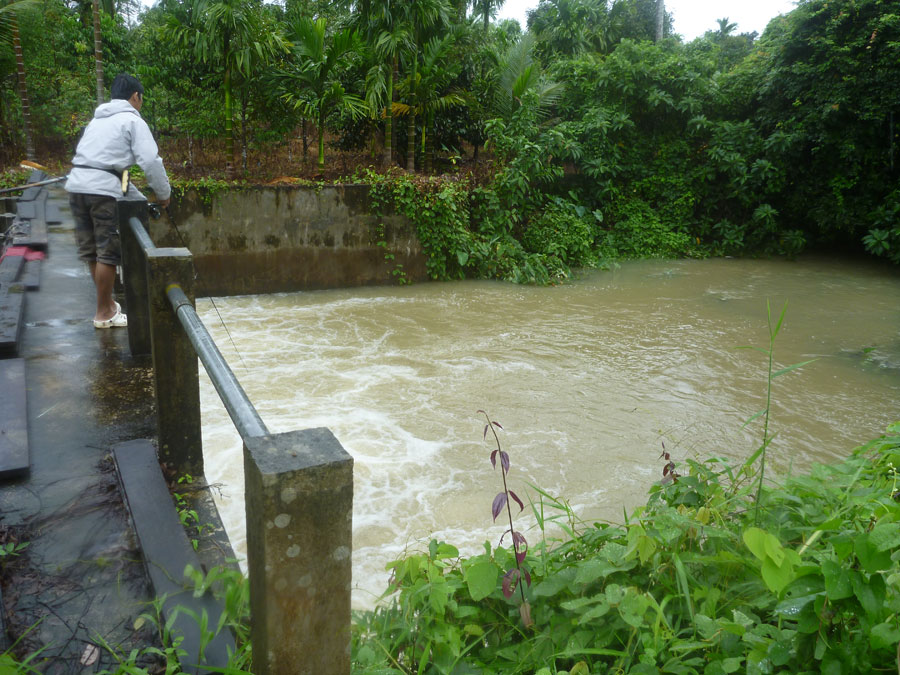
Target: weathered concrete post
[(175, 368), (299, 501), (134, 273)]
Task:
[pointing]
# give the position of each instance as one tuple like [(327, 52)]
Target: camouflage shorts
[(96, 228)]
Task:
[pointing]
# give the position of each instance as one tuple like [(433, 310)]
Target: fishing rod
[(31, 185), (26, 164)]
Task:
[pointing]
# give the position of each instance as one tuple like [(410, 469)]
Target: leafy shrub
[(566, 230), (637, 232)]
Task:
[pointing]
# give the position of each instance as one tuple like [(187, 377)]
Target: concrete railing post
[(134, 273), (175, 369), (299, 501)]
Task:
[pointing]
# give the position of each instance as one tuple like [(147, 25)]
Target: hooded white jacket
[(117, 138)]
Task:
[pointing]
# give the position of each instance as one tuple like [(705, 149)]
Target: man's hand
[(164, 202)]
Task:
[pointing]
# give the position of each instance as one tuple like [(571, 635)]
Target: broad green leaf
[(885, 536), (445, 551), (885, 635), (871, 559), (633, 607), (755, 539), (791, 607), (837, 581), (554, 583), (774, 550), (646, 547), (481, 579), (592, 569), (579, 603), (707, 626), (473, 629), (614, 594), (870, 593), (600, 609), (776, 577), (779, 653)]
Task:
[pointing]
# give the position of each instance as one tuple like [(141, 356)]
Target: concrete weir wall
[(289, 238)]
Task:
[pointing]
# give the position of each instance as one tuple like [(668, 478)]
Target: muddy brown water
[(588, 380)]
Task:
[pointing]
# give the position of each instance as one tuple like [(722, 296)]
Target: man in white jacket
[(116, 139)]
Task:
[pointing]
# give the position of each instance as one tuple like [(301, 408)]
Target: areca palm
[(229, 35), (9, 34), (387, 38), (110, 8), (424, 18), (486, 9), (429, 82), (311, 85)]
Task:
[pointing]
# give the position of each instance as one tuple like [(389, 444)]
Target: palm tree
[(520, 73), (725, 29), (386, 37), (436, 71), (9, 30), (486, 9), (423, 18), (311, 86), (229, 35)]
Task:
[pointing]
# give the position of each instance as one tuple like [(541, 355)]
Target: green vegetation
[(588, 137)]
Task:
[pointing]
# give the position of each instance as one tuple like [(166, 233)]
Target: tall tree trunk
[(411, 143), (229, 132), (305, 133), (411, 122), (321, 162), (389, 120), (660, 18), (395, 77), (428, 133), (23, 90), (98, 52), (244, 133)]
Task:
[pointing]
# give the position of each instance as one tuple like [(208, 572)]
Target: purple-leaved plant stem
[(504, 467)]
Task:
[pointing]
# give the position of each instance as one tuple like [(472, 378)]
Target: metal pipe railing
[(140, 233), (242, 412)]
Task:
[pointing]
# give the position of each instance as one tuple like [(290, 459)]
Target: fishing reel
[(154, 210)]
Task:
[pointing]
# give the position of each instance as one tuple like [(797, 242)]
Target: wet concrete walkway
[(81, 580)]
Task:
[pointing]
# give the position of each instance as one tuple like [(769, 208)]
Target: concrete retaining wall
[(287, 238)]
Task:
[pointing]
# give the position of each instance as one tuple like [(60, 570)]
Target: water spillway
[(588, 380)]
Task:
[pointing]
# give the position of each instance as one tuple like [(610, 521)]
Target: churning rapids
[(587, 379)]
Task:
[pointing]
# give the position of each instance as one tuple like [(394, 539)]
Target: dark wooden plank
[(12, 314), (10, 268), (52, 214), (14, 454), (27, 210), (33, 192), (167, 552), (35, 237), (31, 275)]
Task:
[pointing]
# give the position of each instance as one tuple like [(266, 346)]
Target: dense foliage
[(588, 136)]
